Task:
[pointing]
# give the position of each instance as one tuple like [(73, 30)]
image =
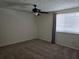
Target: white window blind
[(68, 23)]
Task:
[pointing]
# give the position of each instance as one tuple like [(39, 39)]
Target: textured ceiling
[(50, 5)]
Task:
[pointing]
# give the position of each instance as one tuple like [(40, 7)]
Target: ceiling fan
[(35, 10)]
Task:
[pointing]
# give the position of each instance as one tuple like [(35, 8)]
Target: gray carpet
[(37, 49)]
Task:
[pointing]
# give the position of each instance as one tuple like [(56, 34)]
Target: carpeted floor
[(37, 49)]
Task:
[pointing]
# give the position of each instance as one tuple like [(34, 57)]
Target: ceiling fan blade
[(44, 12)]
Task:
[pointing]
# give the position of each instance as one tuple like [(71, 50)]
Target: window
[(68, 22)]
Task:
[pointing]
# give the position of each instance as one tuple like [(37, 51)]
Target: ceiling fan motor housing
[(36, 10)]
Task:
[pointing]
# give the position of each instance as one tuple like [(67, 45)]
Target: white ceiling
[(51, 5)]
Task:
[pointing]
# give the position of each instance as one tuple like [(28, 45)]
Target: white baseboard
[(10, 43), (49, 40)]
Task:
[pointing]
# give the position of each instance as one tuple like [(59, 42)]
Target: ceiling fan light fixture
[(36, 14)]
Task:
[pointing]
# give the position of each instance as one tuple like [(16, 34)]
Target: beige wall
[(44, 25), (16, 26), (68, 39)]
